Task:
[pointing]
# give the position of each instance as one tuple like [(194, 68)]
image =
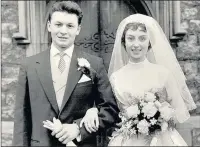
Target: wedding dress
[(136, 78)]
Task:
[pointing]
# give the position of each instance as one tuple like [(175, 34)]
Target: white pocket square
[(84, 78)]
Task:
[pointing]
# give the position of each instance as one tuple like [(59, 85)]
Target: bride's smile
[(136, 43)]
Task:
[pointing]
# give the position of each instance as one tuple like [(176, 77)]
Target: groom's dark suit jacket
[(36, 100)]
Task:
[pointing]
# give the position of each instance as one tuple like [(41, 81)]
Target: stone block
[(185, 129), (6, 40), (13, 56), (196, 22), (6, 139), (6, 47), (188, 9), (182, 43), (10, 98), (190, 68), (7, 133), (195, 94), (3, 96), (8, 84), (190, 52), (199, 66), (8, 102), (190, 3), (7, 110), (8, 3), (189, 13), (194, 26), (185, 24), (196, 137), (7, 113), (192, 41), (9, 71), (9, 13), (197, 81), (9, 28), (196, 112)]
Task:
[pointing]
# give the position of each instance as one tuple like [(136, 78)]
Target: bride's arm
[(91, 120), (126, 108)]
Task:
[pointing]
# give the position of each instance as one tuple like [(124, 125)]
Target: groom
[(51, 86)]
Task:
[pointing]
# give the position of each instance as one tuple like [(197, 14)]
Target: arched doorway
[(100, 21)]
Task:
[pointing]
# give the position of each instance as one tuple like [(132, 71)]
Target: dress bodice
[(134, 79)]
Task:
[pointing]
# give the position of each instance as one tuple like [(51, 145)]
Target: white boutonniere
[(83, 64), (85, 67)]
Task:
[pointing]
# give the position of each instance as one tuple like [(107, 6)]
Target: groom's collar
[(54, 51)]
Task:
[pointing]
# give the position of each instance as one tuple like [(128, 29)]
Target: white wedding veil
[(160, 53)]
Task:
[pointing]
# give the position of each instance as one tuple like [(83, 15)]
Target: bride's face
[(136, 43)]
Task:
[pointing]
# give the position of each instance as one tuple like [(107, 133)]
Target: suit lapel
[(43, 69), (73, 77)]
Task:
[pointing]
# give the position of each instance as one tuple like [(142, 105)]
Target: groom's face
[(64, 28)]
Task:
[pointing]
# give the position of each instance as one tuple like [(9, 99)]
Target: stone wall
[(187, 50), (11, 55), (188, 53)]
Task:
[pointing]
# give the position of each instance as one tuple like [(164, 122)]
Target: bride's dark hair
[(133, 26)]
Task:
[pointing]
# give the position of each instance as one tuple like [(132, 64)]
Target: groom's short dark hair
[(67, 6)]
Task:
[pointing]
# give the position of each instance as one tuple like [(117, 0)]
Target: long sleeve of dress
[(120, 104), (176, 100)]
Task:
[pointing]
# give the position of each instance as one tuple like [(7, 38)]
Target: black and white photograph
[(100, 73)]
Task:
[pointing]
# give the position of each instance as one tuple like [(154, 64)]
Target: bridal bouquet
[(147, 116)]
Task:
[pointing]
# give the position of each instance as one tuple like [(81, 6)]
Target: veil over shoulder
[(160, 53)]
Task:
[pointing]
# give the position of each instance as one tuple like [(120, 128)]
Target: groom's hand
[(68, 133)]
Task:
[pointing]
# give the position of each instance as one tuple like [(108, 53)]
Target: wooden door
[(100, 21), (111, 14)]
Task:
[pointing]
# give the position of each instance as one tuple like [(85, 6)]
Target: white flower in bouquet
[(166, 111), (129, 124), (142, 103), (149, 97), (135, 121), (153, 121), (132, 111), (123, 118), (143, 126), (149, 109), (133, 131), (164, 126), (157, 104)]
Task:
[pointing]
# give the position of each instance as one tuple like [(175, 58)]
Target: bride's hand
[(91, 120)]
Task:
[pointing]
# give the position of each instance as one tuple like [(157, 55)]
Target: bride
[(143, 61)]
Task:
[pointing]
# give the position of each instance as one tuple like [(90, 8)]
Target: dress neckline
[(139, 64)]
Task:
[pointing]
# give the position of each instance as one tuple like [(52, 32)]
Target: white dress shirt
[(60, 79), (55, 57)]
